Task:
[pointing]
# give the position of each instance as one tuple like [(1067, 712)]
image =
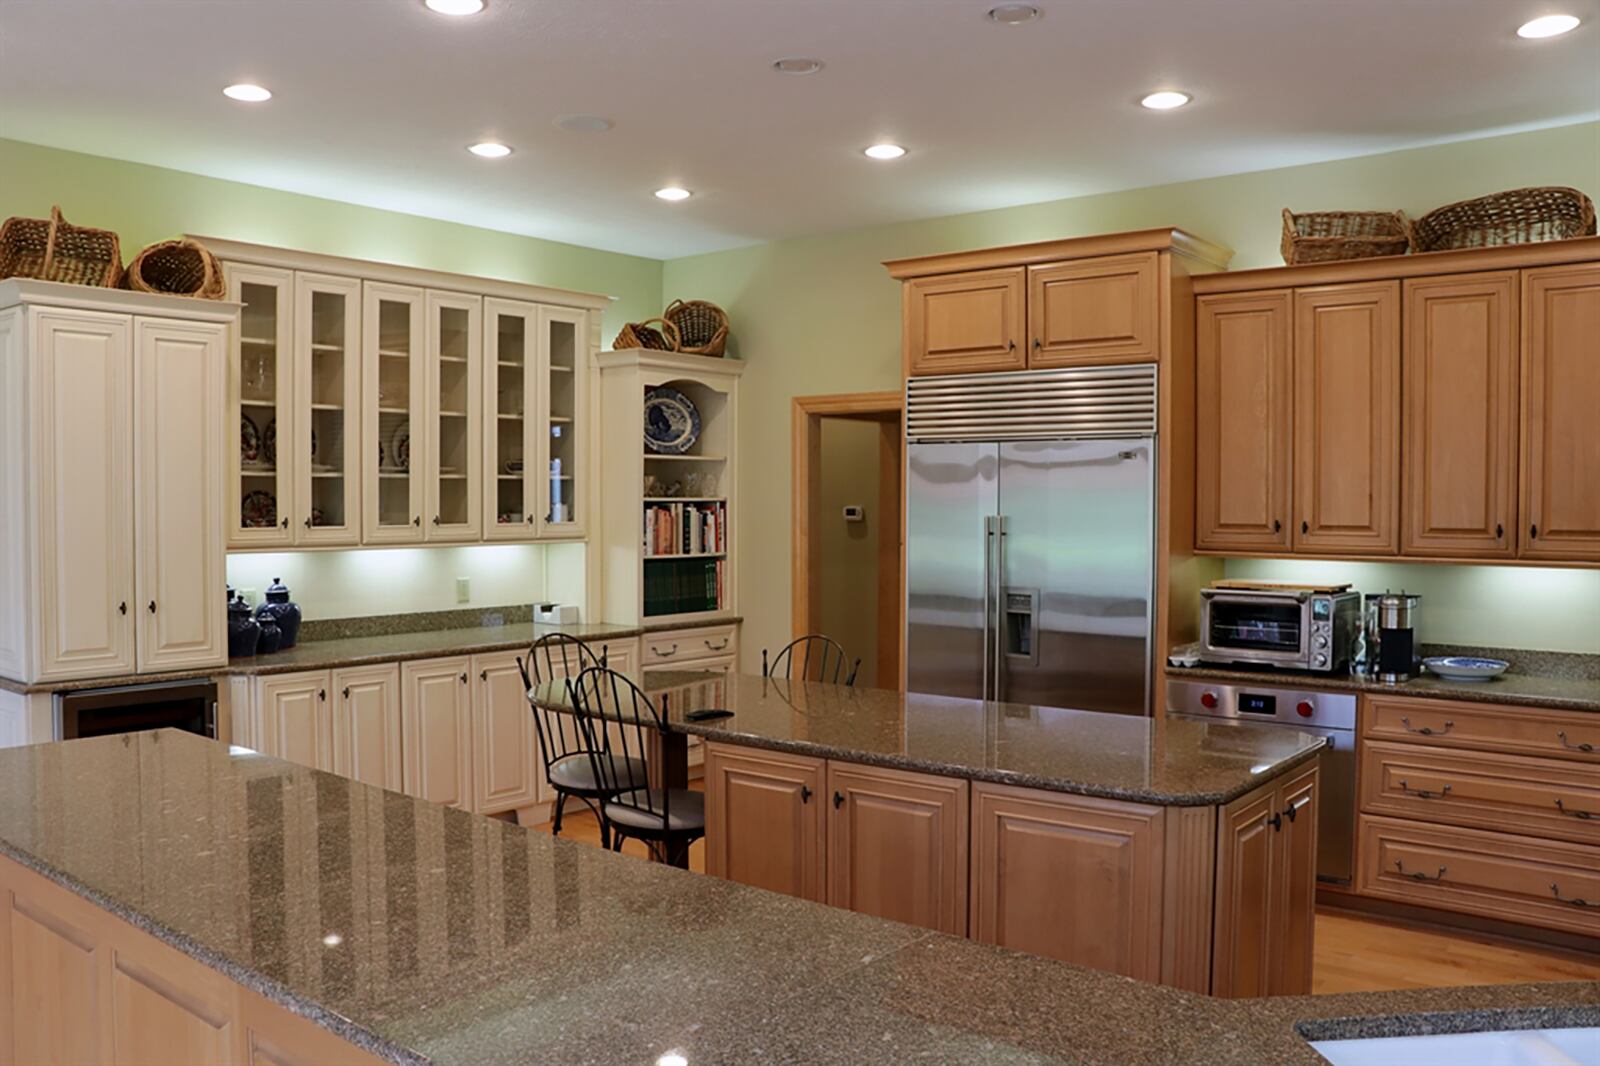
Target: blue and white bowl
[(671, 422), (1465, 667)]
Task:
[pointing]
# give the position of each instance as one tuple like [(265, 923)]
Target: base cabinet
[(436, 731), (366, 724), (295, 721), (766, 821), (506, 768)]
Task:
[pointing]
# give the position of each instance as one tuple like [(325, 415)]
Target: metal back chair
[(815, 657), (620, 719)]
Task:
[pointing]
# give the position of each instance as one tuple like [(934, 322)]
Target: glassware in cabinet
[(454, 453), (323, 451), (394, 365), (563, 400), (511, 376), (260, 386)]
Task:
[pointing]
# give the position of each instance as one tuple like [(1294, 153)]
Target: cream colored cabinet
[(394, 401), (561, 472), (510, 440), (295, 718), (324, 452), (436, 730), (505, 747), (453, 439), (260, 394), (622, 656), (366, 724)]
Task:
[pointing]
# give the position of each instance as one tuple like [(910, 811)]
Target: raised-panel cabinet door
[(181, 1017), (297, 718), (1246, 905), (511, 396), (394, 413), (52, 1011), (897, 845), (766, 820), (561, 474), (1347, 419), (179, 443), (962, 323), (1295, 837), (260, 393), (505, 747), (454, 492), (1091, 311), (1069, 877), (366, 725), (1560, 431), (82, 390), (1460, 369), (324, 452), (1243, 413), (436, 731)]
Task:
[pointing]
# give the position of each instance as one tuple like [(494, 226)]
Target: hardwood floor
[(1353, 954)]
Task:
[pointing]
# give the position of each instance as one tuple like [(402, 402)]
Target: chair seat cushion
[(575, 773), (641, 809)]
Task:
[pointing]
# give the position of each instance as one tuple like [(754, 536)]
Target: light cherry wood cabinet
[(366, 724), (296, 718), (1089, 312), (436, 730), (1560, 397), (505, 747), (766, 821), (1460, 448), (1347, 419), (966, 323), (1243, 418)]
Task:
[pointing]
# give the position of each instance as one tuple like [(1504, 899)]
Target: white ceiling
[(376, 100)]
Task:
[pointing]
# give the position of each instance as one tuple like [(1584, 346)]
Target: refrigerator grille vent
[(1081, 402)]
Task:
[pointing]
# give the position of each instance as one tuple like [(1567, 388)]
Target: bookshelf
[(669, 527)]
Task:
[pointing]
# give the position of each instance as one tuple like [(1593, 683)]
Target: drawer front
[(1497, 875), (687, 645), (1483, 726), (1530, 797)]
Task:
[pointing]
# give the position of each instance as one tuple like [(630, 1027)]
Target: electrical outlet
[(463, 590)]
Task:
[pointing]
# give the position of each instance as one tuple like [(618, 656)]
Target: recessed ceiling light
[(885, 150), (797, 65), (672, 192), (454, 7), (1165, 100), (489, 149), (250, 94), (1013, 14), (1548, 26), (584, 123)]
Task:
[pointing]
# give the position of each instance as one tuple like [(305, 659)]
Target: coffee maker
[(1391, 635)]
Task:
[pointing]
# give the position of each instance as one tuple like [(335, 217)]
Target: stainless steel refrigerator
[(1030, 536)]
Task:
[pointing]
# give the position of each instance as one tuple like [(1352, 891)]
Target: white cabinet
[(394, 362), (294, 719), (505, 747), (366, 724), (561, 469), (324, 452), (260, 391), (436, 731)]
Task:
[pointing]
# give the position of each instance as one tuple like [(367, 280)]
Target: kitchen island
[(169, 895)]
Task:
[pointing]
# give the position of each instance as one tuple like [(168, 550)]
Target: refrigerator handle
[(988, 585), (998, 654)]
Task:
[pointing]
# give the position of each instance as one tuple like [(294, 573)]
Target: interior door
[(1075, 574), (952, 492)]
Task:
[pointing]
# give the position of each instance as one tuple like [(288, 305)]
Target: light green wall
[(819, 314), (848, 583)]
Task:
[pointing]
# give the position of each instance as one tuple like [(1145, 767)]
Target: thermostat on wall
[(855, 513)]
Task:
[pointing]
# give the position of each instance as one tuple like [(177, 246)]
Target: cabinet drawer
[(1531, 797), (1497, 875), (1484, 726), (684, 645)]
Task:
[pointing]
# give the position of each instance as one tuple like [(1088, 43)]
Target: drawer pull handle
[(1419, 875), (1294, 808), (1576, 901), (1426, 730), (1582, 745), (669, 653), (717, 647), (1585, 815), (1422, 793)]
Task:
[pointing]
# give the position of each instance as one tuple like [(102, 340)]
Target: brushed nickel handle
[(1585, 815), (1576, 901), (1419, 875), (1427, 730), (1422, 793), (1582, 745)]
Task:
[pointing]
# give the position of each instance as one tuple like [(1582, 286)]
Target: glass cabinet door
[(510, 447), (325, 452), (563, 396), (260, 384), (394, 423), (454, 454)]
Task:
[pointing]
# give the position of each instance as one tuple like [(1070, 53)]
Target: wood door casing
[(965, 323), (897, 845), (1094, 311), (1347, 419), (1243, 418), (1459, 362), (366, 729), (505, 747), (1560, 490), (1069, 877), (436, 731), (766, 821)]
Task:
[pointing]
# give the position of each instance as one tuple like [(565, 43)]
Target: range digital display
[(1256, 703)]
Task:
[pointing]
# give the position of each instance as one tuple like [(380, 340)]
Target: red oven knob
[(1208, 700), (1305, 709)]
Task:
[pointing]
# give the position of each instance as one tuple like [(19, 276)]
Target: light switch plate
[(854, 513), (463, 590)]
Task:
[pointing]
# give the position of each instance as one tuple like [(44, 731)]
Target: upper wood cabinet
[(766, 820), (1093, 311), (1347, 419), (1560, 424), (966, 323), (1243, 414), (1460, 448)]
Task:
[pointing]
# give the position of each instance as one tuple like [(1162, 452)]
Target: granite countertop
[(1167, 761), (470, 940), (1529, 690)]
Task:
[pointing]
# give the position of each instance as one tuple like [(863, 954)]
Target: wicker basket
[(55, 250), (702, 326), (1521, 216), (1326, 236), (183, 267), (654, 333)]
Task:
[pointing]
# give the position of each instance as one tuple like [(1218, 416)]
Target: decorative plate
[(269, 443), (249, 441), (383, 455), (1466, 667), (402, 448), (671, 423), (259, 510)]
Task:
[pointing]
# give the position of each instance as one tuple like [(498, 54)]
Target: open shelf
[(649, 456)]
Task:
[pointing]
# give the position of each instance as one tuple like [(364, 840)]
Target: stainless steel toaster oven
[(1289, 627)]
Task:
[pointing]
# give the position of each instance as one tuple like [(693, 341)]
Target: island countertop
[(1169, 762), (462, 939)]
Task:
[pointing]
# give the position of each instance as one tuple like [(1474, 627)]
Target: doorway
[(847, 567)]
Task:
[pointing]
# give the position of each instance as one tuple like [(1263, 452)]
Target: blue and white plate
[(671, 422), (1465, 667)]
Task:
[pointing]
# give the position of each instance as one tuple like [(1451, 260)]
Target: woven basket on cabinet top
[(654, 333), (1328, 236), (1520, 216), (702, 326), (55, 250), (183, 267)]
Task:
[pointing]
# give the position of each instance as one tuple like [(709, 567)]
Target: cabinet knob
[(1533, 531), (1277, 526), (1011, 346), (1037, 344), (322, 694), (346, 692), (1499, 531), (152, 606), (1305, 527), (463, 679), (1276, 821), (308, 521), (122, 608), (483, 675), (285, 522), (435, 519), (838, 799), (805, 794)]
